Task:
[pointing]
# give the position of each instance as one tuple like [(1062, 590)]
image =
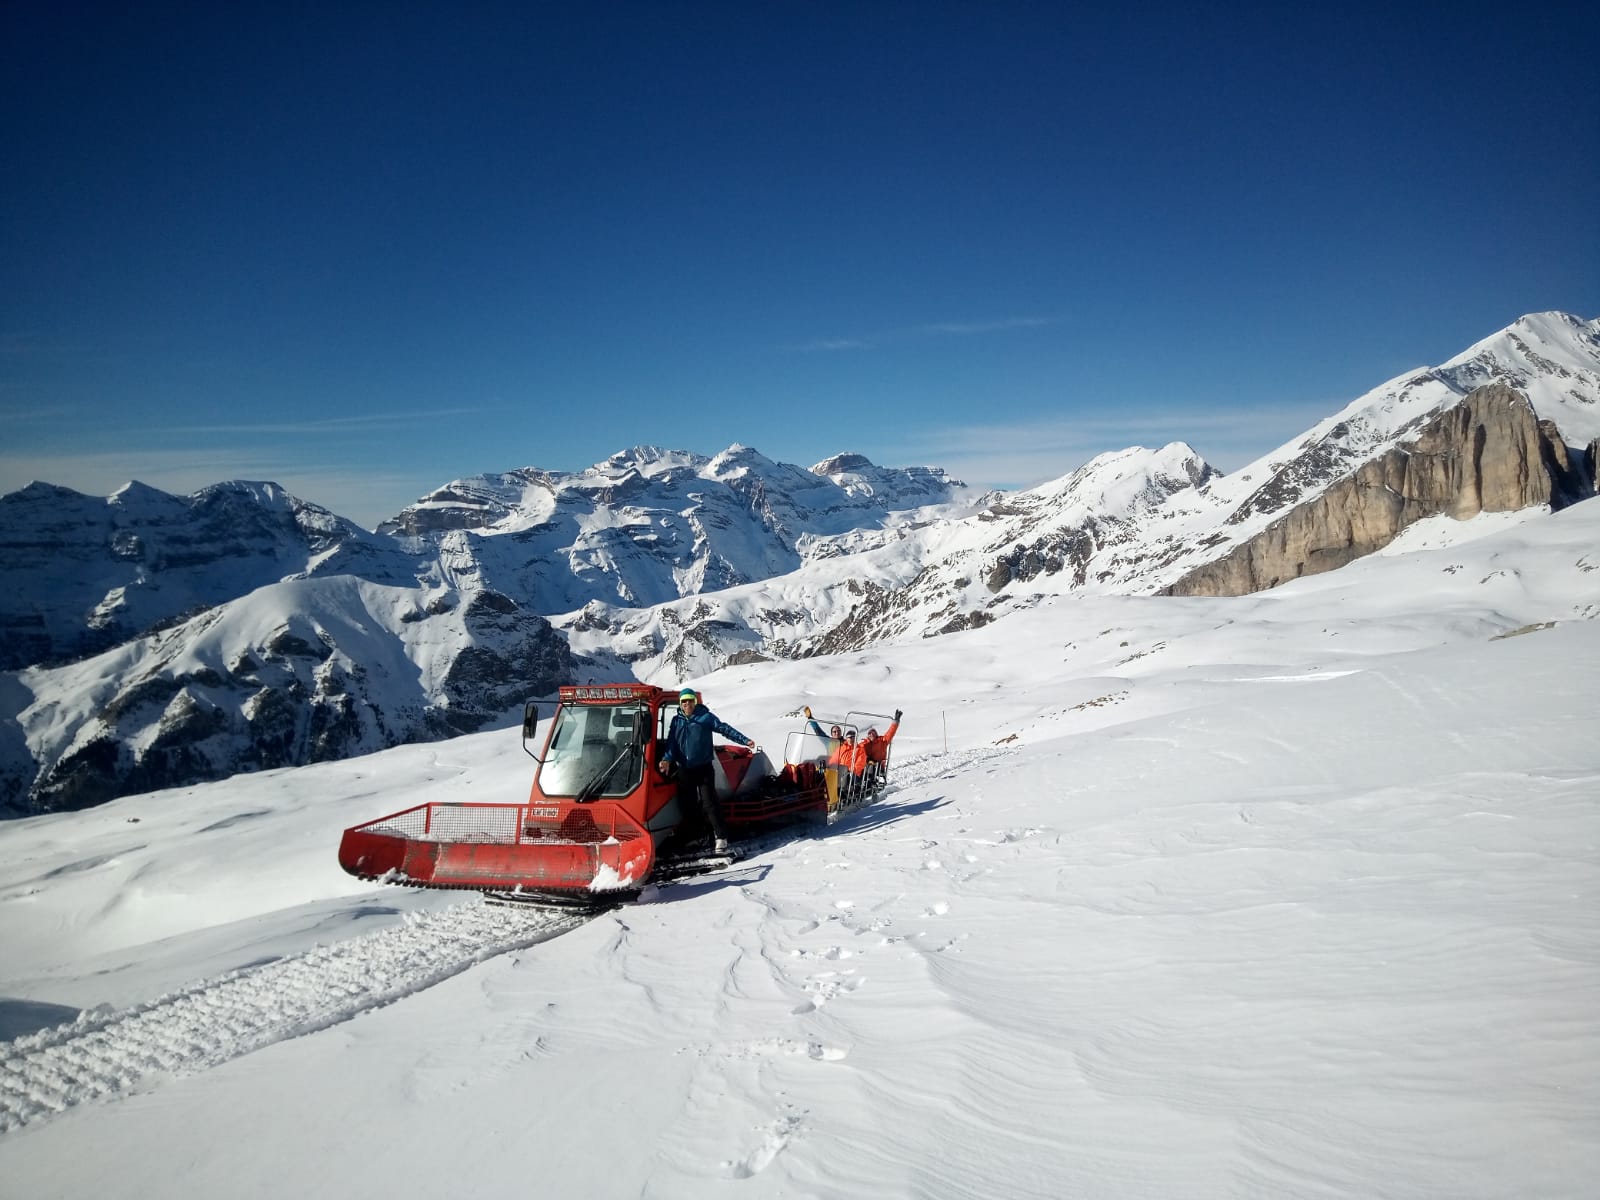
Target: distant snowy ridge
[(664, 565), (281, 634)]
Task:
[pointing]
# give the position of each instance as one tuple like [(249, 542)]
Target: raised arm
[(811, 724)]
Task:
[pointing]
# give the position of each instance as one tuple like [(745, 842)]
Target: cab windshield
[(595, 750)]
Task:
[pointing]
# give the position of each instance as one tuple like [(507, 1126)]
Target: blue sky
[(364, 249)]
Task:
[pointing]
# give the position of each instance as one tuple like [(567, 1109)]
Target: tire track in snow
[(942, 764), (104, 1055)]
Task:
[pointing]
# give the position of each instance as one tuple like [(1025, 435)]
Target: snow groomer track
[(105, 1055)]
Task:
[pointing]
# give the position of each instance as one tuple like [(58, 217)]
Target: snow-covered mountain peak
[(262, 493), (842, 464), (134, 493), (647, 460), (38, 489), (1551, 357), (897, 487), (1121, 481), (736, 459)]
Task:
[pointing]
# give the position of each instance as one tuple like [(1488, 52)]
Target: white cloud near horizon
[(362, 495)]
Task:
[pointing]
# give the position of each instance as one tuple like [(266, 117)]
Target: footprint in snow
[(773, 1139), (831, 953), (775, 1048), (826, 986)]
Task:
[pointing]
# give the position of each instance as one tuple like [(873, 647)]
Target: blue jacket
[(689, 738)]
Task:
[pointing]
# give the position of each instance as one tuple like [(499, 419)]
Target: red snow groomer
[(600, 819)]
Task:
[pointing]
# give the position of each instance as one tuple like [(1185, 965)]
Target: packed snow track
[(103, 1055)]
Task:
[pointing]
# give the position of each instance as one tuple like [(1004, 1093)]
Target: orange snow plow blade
[(551, 846)]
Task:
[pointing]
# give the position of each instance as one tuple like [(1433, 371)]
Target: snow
[(606, 878), (1289, 895)]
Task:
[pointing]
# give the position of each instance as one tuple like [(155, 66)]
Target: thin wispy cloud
[(1024, 453), (362, 423), (13, 413), (935, 329), (19, 343), (969, 328), (836, 344)]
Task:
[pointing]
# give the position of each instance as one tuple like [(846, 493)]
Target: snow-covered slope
[(1294, 894)]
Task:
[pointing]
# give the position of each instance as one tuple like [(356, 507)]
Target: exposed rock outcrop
[(1489, 453)]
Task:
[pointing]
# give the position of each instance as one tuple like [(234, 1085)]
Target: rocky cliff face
[(1490, 453)]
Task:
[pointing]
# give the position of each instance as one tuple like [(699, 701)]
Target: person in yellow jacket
[(832, 737), (845, 751)]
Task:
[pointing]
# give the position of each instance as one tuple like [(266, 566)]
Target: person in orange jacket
[(850, 753), (875, 748)]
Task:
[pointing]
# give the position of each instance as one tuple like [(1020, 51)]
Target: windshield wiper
[(590, 790)]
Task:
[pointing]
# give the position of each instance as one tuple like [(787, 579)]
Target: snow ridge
[(105, 1055)]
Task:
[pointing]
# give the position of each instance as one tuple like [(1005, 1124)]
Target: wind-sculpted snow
[(104, 1055), (1294, 894)]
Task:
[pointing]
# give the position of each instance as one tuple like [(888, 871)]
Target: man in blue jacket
[(689, 745)]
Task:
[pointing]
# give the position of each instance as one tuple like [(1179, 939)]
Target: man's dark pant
[(701, 783)]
